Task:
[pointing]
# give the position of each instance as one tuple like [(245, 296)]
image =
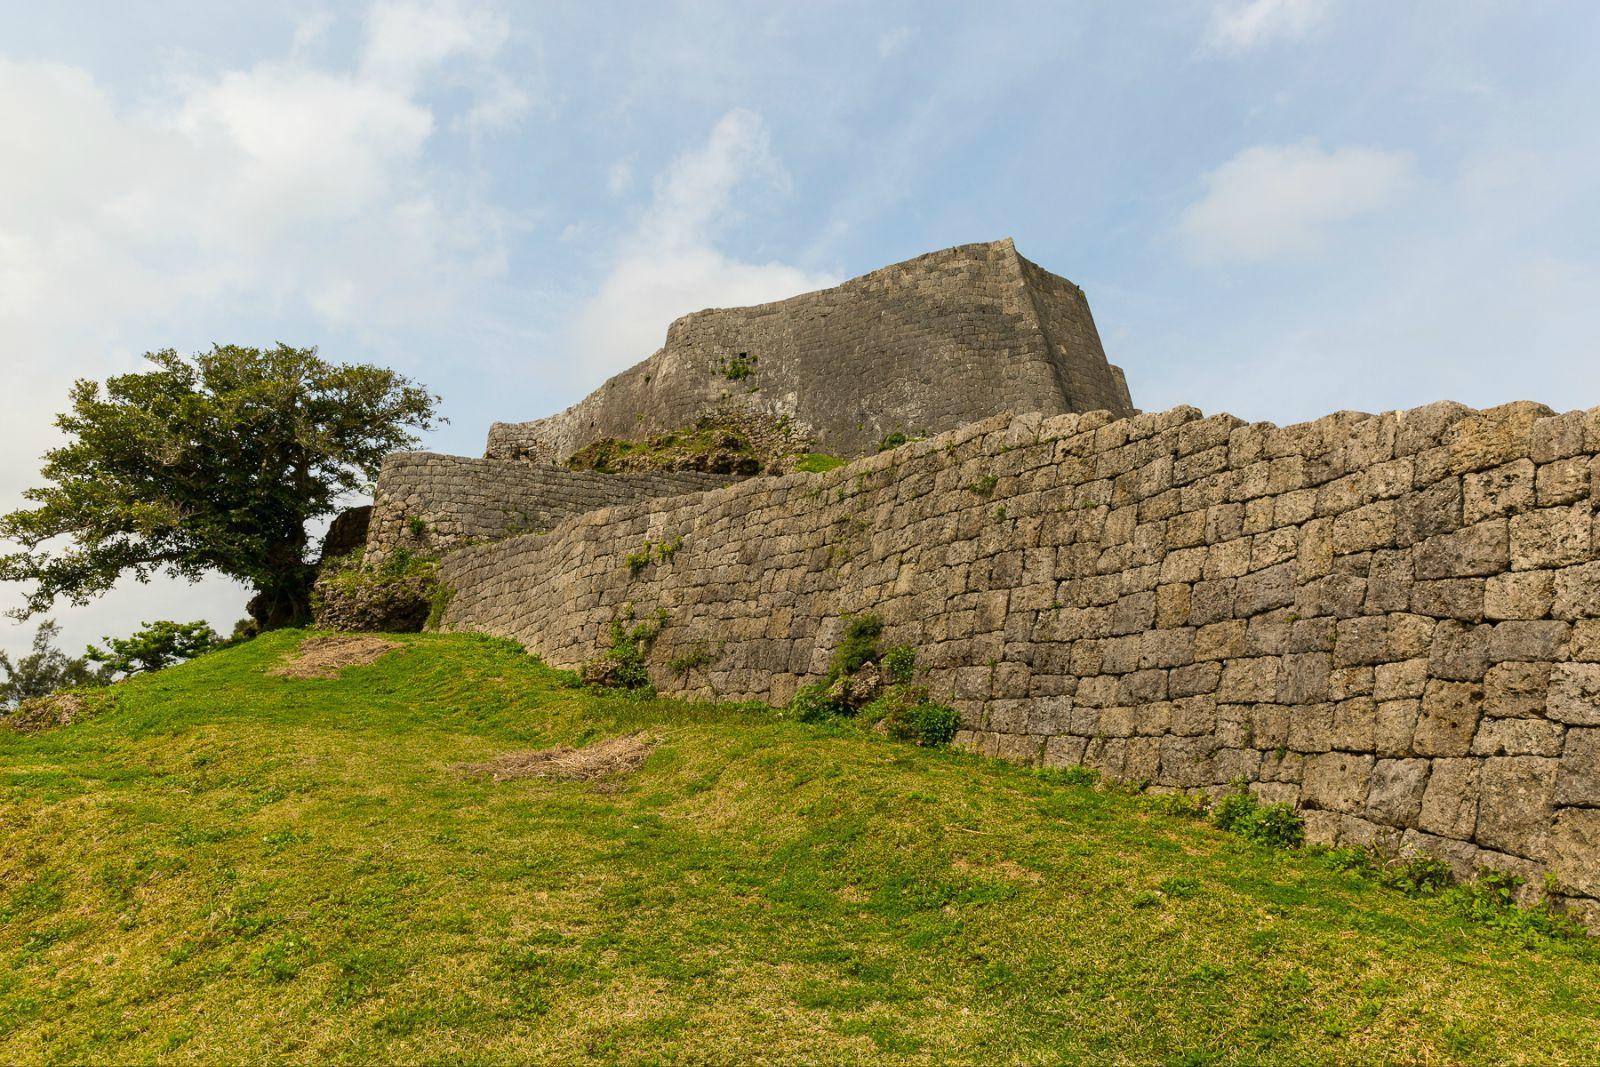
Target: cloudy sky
[(1278, 208)]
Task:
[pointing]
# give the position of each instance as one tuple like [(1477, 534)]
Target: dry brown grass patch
[(325, 657), (603, 759), (57, 709)]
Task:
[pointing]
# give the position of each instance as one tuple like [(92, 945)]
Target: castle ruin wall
[(1391, 622), (430, 503), (918, 347)]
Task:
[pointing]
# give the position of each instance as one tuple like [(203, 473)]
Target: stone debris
[(610, 758), (325, 657)]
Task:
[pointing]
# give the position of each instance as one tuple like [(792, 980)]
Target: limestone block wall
[(428, 502), (1391, 621), (918, 347)]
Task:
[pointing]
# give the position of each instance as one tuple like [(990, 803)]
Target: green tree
[(214, 462), (153, 646), (44, 669)]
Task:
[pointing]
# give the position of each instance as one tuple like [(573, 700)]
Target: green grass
[(235, 867), (817, 462)]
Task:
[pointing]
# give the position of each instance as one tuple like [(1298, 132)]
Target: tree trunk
[(284, 599)]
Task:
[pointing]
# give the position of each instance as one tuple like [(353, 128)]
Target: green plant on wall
[(737, 368)]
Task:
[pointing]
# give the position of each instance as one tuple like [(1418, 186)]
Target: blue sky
[(1278, 208)]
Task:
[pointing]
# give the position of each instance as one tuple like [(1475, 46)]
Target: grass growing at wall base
[(229, 866)]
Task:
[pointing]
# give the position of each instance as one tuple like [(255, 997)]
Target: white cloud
[(669, 265), (1240, 25), (1278, 200), (260, 193)]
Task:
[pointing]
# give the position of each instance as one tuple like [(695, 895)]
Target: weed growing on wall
[(873, 688), (622, 665)]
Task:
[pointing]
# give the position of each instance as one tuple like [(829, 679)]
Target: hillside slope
[(236, 866)]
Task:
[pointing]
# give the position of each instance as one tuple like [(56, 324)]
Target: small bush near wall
[(397, 597)]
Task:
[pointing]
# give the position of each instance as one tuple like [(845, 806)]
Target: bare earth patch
[(602, 759), (325, 657)]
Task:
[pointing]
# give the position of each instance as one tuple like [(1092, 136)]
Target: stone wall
[(1391, 621), (918, 347), (431, 503)]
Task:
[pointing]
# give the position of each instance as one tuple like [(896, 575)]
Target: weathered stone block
[(1514, 809), (1563, 482), (1460, 652), (1449, 598), (1575, 694), (1516, 690), (1304, 678), (1577, 592), (1337, 781), (1394, 681), (1518, 595), (1247, 680), (1490, 438), (1395, 796), (1504, 490), (1311, 728), (1394, 722), (1475, 551), (1525, 640), (1371, 526), (1575, 849), (1450, 801), (1578, 780), (1355, 724), (1518, 737), (1552, 537), (1449, 719)]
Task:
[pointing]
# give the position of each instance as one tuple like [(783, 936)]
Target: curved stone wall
[(1391, 621), (430, 503)]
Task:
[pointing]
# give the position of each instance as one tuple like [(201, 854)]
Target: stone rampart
[(431, 503), (918, 347), (1390, 621)]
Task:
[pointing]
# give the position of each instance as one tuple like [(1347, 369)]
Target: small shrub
[(1276, 826), (924, 723), (418, 526), (892, 441), (665, 550), (1231, 809), (691, 660), (638, 561), (1273, 825), (858, 645), (738, 367), (1418, 876), (623, 663), (984, 486), (811, 703), (899, 663)]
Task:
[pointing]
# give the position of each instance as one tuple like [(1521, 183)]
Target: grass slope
[(232, 866)]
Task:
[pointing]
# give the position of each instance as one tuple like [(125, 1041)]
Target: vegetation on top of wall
[(729, 441), (817, 462), (400, 595)]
